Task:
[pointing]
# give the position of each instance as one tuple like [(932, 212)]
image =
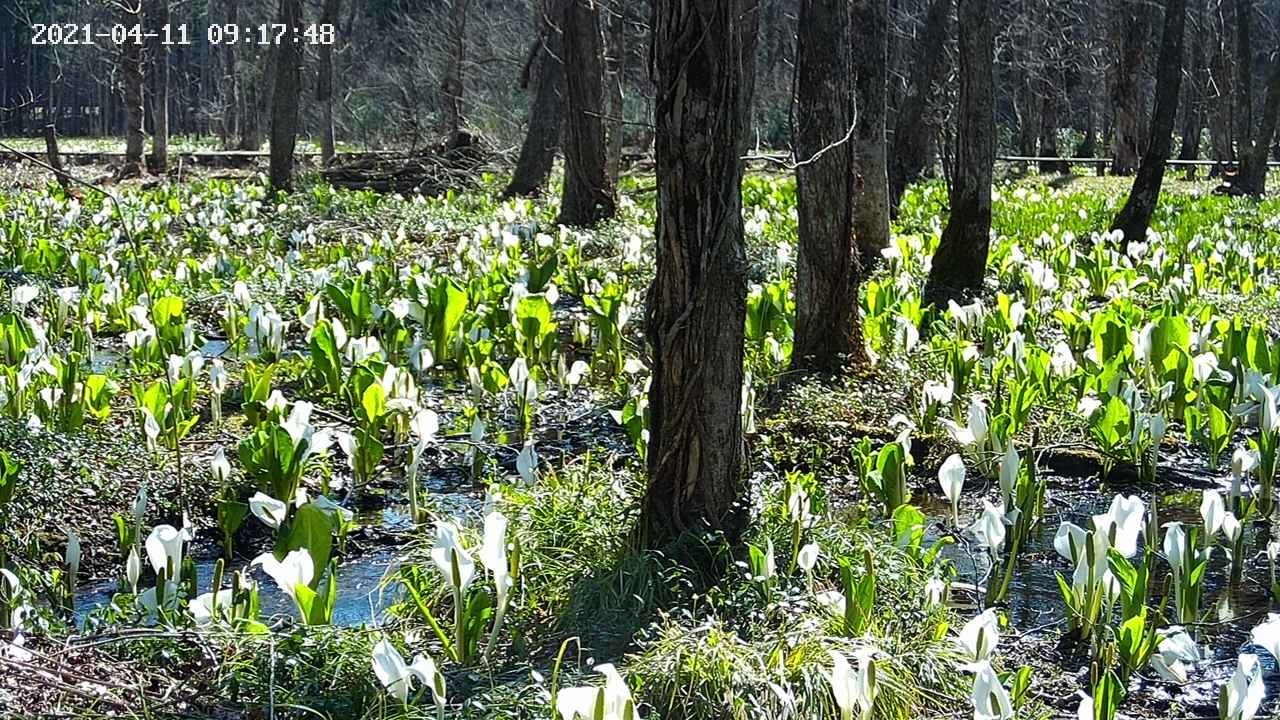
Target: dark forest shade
[(1253, 169), (1131, 25), (544, 70), (961, 258), (588, 193), (913, 127), (1135, 216), (704, 78), (827, 266)]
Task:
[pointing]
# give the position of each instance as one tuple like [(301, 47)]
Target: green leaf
[(311, 528)]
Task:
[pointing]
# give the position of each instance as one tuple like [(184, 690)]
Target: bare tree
[(131, 82), (616, 66), (1253, 169), (827, 330), (703, 62), (544, 68), (324, 88), (1135, 216), (870, 41), (451, 87), (588, 194), (159, 19), (913, 128), (1130, 20), (286, 96), (961, 259)]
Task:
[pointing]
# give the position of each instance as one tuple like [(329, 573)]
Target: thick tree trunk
[(131, 81), (827, 267), (1131, 24), (1135, 216), (913, 129), (324, 89), (961, 259), (230, 82), (285, 98), (704, 56), (1049, 131), (1253, 171), (451, 82), (616, 66), (588, 195), (1028, 107), (538, 153), (870, 41), (159, 160)]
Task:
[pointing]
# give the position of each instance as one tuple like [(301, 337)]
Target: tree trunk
[(131, 81), (1135, 216), (285, 98), (538, 153), (1221, 84), (159, 160), (1195, 91), (703, 60), (1049, 131), (1244, 69), (1028, 106), (913, 128), (230, 82), (257, 97), (871, 69), (827, 332), (1253, 171), (1126, 89), (961, 259), (324, 89), (588, 195), (617, 64), (451, 83)]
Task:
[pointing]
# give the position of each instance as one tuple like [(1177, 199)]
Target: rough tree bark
[(617, 66), (703, 62), (827, 332), (285, 98), (961, 258), (159, 160), (451, 82), (324, 84), (870, 41), (538, 152), (1253, 169), (1135, 216), (913, 128), (588, 194), (1131, 25), (131, 82)]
